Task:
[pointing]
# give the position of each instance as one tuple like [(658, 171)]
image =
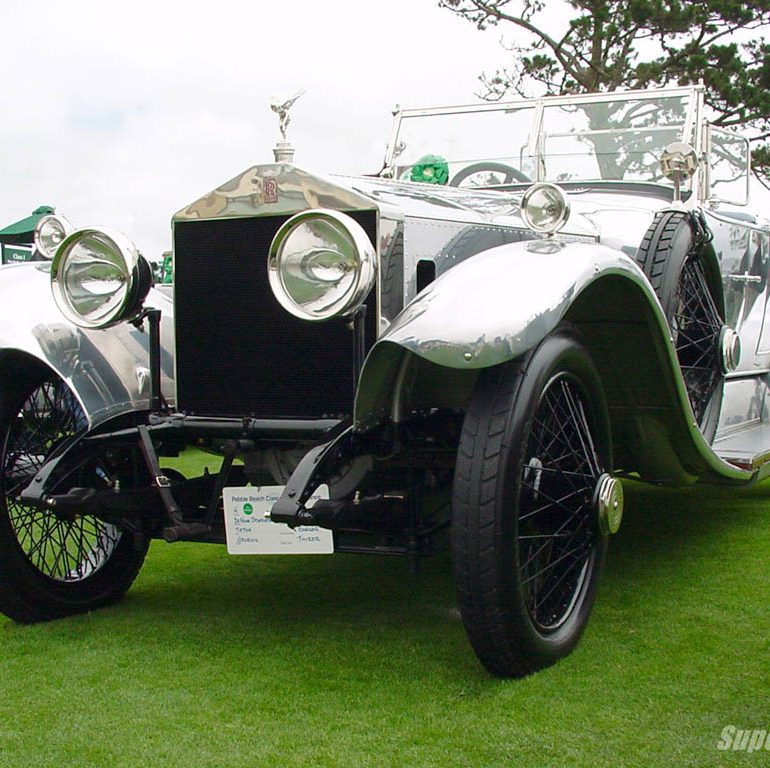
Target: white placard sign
[(250, 531)]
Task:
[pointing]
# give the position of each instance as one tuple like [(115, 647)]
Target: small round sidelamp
[(545, 208), (98, 278), (321, 265), (50, 233), (609, 503)]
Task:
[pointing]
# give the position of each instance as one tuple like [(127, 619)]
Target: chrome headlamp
[(545, 208), (50, 233), (99, 278), (321, 265)]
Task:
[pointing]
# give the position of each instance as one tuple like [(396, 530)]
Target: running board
[(748, 449)]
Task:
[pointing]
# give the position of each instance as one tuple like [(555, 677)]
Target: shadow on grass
[(349, 660), (368, 605), (365, 610), (194, 600), (662, 528)]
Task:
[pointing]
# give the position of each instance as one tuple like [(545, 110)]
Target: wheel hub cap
[(609, 503), (730, 349)]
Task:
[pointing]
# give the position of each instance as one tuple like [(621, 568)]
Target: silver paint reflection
[(105, 368), (500, 304)]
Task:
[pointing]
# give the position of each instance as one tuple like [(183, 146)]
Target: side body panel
[(743, 251)]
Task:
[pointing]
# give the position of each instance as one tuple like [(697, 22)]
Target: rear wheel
[(53, 565), (527, 543)]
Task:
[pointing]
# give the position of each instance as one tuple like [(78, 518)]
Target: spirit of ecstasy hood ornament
[(283, 151)]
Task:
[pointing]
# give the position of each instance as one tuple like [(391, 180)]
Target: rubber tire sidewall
[(515, 646)]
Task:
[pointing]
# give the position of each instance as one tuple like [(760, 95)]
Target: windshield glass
[(493, 142), (610, 140), (562, 139)]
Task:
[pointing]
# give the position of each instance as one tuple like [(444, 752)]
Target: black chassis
[(402, 508)]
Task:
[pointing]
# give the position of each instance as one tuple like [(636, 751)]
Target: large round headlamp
[(321, 265), (99, 278), (50, 233), (545, 207)]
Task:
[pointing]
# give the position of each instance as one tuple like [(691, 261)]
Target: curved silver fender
[(498, 305), (107, 370)]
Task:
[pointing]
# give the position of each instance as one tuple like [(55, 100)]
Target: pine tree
[(605, 45)]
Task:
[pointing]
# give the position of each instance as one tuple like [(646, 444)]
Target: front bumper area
[(368, 511)]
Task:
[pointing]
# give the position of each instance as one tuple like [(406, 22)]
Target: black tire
[(50, 566), (536, 431), (672, 255), (511, 174), (392, 278)]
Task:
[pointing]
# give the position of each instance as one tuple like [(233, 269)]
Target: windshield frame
[(693, 125)]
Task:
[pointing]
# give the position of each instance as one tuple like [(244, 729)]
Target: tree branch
[(600, 49), (565, 58)]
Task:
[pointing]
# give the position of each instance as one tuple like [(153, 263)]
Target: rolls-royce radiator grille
[(238, 352)]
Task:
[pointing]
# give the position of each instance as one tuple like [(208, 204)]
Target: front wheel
[(531, 484), (51, 565)]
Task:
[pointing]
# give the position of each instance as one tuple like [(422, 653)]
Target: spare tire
[(674, 255)]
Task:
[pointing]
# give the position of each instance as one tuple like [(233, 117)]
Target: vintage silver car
[(530, 301)]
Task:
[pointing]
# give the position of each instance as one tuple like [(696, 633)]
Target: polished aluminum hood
[(276, 189)]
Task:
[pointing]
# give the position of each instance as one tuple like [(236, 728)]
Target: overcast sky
[(121, 113)]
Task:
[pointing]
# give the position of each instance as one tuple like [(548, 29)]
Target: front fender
[(498, 305), (107, 370)]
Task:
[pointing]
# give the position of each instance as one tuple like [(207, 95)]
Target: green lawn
[(348, 661)]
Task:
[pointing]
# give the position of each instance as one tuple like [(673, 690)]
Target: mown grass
[(349, 661)]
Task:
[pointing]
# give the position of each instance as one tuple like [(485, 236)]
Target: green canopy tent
[(23, 231), (16, 240)]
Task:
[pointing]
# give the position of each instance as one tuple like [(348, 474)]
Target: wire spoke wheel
[(527, 543), (696, 327), (64, 549), (54, 564), (556, 513)]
